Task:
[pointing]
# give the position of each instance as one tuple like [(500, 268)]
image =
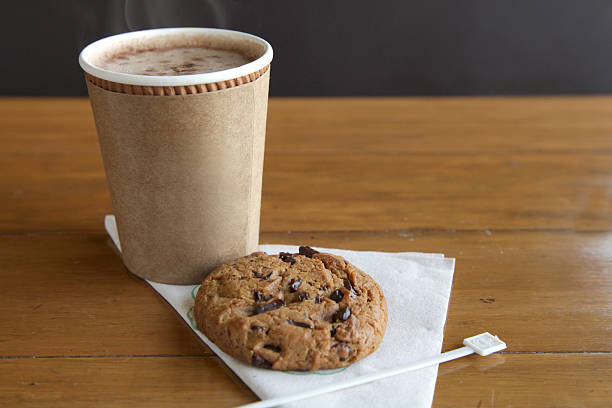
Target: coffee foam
[(175, 61), (247, 48)]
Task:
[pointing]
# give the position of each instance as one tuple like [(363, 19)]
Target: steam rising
[(144, 14)]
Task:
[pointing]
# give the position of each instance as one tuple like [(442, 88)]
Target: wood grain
[(112, 382), (503, 191), (517, 189), (536, 289), (70, 295), (37, 127), (345, 167), (520, 380), (496, 381), (347, 192), (442, 126), (457, 125)]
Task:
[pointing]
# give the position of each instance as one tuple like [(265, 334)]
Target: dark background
[(340, 47)]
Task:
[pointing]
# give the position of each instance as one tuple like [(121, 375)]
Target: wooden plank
[(47, 126), (526, 380), (460, 125), (347, 192), (388, 163), (457, 125), (371, 192), (501, 380), (52, 193), (112, 382), (70, 295), (499, 183)]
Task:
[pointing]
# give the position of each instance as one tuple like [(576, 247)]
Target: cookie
[(305, 311)]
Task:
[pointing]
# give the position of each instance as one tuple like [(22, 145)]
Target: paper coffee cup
[(183, 154)]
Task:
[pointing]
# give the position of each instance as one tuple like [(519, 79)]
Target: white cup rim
[(174, 80)]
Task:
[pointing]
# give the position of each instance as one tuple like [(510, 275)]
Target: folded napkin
[(417, 288)]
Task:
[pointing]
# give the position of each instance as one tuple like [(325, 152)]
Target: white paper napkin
[(417, 288)]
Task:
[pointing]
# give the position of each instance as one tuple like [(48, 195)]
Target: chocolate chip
[(259, 361), (257, 296), (300, 324), (342, 314), (272, 347), (332, 332), (286, 257), (318, 299), (257, 328), (342, 346), (273, 305), (308, 251), (348, 285), (302, 296), (344, 351), (337, 295), (261, 275), (294, 285), (325, 287)]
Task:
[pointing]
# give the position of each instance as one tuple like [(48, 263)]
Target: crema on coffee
[(174, 61)]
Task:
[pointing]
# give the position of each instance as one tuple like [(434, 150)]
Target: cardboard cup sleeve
[(184, 169)]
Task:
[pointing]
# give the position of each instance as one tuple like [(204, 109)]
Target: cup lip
[(174, 80)]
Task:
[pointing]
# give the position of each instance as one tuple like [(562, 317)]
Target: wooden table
[(519, 190)]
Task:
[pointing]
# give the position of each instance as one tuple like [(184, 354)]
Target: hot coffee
[(174, 61), (184, 169)]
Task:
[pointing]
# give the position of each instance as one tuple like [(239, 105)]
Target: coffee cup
[(181, 118)]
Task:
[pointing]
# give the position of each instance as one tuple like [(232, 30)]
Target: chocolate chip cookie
[(304, 311)]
